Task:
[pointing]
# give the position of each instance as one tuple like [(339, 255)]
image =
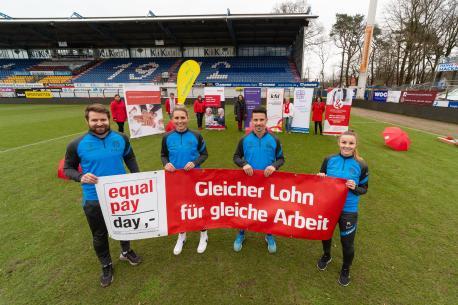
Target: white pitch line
[(38, 143), (389, 123)]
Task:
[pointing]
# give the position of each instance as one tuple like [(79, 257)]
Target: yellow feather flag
[(187, 75)]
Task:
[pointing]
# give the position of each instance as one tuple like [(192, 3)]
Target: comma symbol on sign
[(151, 219)]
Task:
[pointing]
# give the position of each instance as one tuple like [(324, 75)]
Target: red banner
[(286, 204), (337, 114), (338, 117), (212, 101), (419, 97), (143, 97)]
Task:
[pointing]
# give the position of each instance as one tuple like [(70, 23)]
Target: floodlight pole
[(366, 49)]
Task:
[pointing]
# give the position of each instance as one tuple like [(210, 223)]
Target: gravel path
[(434, 127)]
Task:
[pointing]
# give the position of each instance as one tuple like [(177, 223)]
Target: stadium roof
[(190, 30)]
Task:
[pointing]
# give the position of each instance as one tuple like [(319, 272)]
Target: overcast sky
[(325, 9)]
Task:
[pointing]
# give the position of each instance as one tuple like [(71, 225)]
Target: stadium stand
[(8, 68), (246, 69), (52, 79), (126, 70), (213, 69)]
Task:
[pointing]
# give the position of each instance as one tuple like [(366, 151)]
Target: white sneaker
[(180, 242), (203, 242)]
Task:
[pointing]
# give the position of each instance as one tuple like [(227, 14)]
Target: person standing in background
[(199, 110), (288, 113), (118, 112), (317, 116), (240, 111), (170, 104)]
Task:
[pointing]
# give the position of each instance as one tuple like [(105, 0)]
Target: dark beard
[(94, 130)]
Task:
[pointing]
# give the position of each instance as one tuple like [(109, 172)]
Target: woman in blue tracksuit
[(184, 149), (350, 166)]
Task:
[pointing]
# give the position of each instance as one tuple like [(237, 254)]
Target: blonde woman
[(347, 164)]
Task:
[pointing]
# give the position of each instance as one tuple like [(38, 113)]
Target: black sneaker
[(323, 262), (344, 278), (107, 276), (131, 257)]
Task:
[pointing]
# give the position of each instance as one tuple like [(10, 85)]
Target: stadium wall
[(449, 115), (443, 114)]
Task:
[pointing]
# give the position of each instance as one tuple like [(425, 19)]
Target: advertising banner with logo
[(38, 94), (419, 97), (7, 92), (214, 117), (379, 96), (302, 107), (440, 103), (144, 112), (252, 100), (152, 204), (275, 109), (453, 104), (337, 112), (393, 96)]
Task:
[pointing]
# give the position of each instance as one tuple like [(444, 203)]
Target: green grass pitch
[(406, 243)]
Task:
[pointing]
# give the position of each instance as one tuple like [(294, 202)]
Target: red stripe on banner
[(143, 97), (212, 101), (338, 116), (286, 204)]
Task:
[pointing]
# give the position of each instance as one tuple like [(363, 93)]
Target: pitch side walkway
[(435, 127)]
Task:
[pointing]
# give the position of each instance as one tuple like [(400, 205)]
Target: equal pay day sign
[(152, 204), (134, 205)]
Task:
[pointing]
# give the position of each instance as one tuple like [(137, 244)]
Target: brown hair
[(180, 108), (355, 135), (99, 108)]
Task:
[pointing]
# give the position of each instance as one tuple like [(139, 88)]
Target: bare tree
[(422, 31), (322, 50), (347, 33), (314, 28)]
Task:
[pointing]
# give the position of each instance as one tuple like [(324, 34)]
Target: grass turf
[(405, 245)]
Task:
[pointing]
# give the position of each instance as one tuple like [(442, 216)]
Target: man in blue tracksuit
[(258, 150), (350, 166), (185, 149), (100, 152)]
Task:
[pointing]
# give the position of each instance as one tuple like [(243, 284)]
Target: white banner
[(134, 205), (302, 106), (215, 91), (144, 111), (215, 116), (393, 96), (441, 103), (274, 109)]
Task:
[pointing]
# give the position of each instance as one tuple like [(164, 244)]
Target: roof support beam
[(166, 30), (5, 16), (230, 27), (107, 34)]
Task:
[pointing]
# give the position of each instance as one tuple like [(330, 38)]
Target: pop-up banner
[(337, 112), (215, 117), (275, 109), (302, 106), (152, 204), (252, 100), (393, 96), (144, 112)]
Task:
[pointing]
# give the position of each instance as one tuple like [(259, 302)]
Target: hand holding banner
[(187, 75)]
